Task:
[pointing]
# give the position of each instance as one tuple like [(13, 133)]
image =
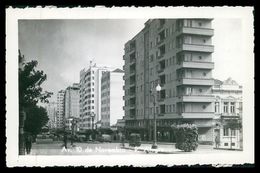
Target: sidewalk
[(163, 148)]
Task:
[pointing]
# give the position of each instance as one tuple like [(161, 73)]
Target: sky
[(64, 47)]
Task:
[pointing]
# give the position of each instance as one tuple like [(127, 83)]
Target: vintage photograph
[(148, 87)]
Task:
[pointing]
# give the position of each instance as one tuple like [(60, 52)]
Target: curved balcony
[(195, 81), (196, 115), (195, 98), (196, 47), (196, 31), (196, 64)]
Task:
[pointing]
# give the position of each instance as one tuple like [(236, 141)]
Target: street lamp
[(92, 117), (154, 146)]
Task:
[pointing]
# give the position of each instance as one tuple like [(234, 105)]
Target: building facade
[(72, 101), (60, 109), (90, 96), (71, 109), (112, 97), (176, 54), (228, 106), (51, 112)]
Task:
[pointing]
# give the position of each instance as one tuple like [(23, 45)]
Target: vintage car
[(135, 140)]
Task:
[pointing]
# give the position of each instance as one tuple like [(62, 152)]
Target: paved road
[(56, 148)]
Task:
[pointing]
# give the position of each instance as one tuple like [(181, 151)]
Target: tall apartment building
[(71, 108), (60, 109), (90, 96), (228, 105), (72, 101), (176, 53), (112, 97), (51, 109)]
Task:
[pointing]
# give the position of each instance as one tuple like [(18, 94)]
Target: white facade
[(60, 109), (228, 105), (90, 95), (51, 112), (112, 98)]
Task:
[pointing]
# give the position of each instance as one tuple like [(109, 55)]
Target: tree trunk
[(22, 116)]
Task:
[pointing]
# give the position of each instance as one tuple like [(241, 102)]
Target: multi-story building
[(175, 53), (72, 101), (90, 96), (228, 105), (60, 109), (51, 112), (112, 97), (71, 109)]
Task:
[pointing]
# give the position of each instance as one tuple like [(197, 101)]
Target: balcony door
[(188, 73)]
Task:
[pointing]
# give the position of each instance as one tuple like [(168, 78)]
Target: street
[(56, 148)]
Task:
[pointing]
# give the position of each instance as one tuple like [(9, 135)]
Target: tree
[(186, 137), (233, 124), (30, 93), (36, 118)]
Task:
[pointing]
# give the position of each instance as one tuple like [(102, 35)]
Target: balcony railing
[(195, 81), (196, 64), (160, 70), (196, 31), (200, 115), (196, 47), (195, 98)]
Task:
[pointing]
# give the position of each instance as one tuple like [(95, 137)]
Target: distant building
[(72, 101), (71, 105), (90, 96), (51, 112), (111, 97), (60, 109), (228, 105)]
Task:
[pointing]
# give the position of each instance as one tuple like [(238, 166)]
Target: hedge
[(186, 137)]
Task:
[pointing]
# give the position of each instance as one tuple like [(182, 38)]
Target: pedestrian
[(65, 140), (123, 140), (28, 143), (217, 141), (71, 139)]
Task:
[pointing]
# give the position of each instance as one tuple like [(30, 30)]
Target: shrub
[(186, 137)]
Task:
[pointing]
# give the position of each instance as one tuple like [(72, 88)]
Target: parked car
[(105, 138), (135, 140), (80, 138)]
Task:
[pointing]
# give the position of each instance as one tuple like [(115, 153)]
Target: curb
[(152, 151)]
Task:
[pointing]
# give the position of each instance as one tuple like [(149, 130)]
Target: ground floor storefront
[(165, 133)]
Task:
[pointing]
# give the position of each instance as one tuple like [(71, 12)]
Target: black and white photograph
[(129, 86)]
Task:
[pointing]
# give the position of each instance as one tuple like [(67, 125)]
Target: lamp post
[(154, 146), (92, 117)]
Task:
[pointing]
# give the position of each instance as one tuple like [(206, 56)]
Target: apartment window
[(233, 132), (232, 107), (92, 95), (225, 132), (151, 58), (173, 108), (217, 107), (173, 60), (225, 107), (151, 71)]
